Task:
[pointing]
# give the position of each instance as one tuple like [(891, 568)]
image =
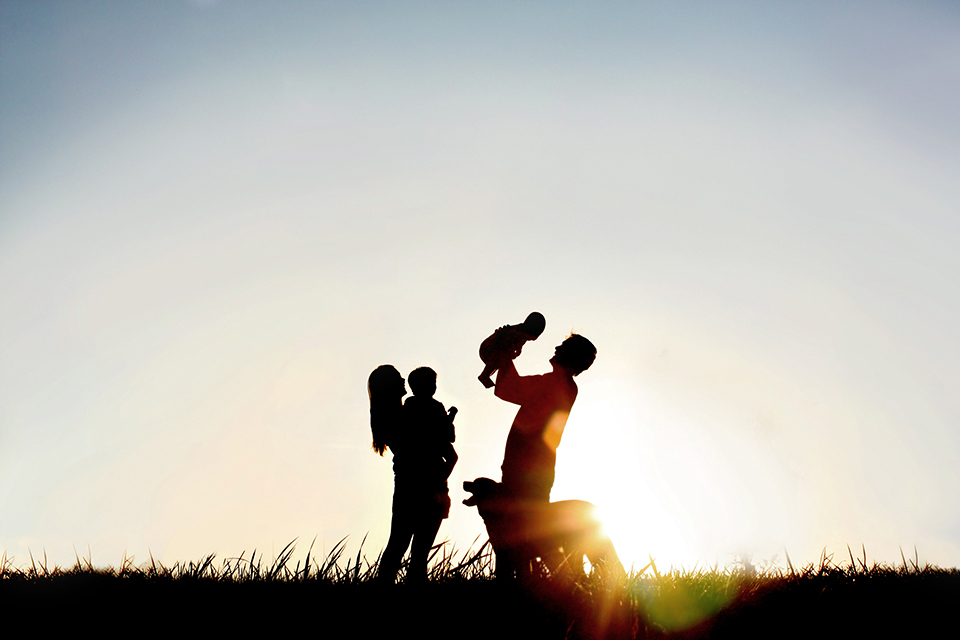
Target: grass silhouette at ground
[(336, 595)]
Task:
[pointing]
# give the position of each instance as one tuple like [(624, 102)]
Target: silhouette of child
[(426, 412), (434, 431), (506, 342)]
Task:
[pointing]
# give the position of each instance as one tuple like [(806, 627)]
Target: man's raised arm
[(509, 385)]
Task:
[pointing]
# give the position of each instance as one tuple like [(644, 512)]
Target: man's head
[(575, 354), (423, 382)]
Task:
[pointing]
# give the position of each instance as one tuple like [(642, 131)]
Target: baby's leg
[(484, 377)]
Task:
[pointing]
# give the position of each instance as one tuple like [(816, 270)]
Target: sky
[(217, 217)]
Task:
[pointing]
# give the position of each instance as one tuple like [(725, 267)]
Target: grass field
[(336, 596)]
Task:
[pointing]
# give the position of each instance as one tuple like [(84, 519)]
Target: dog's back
[(559, 533)]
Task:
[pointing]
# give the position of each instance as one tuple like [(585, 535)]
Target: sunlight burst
[(602, 460)]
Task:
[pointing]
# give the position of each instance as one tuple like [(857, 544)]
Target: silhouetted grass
[(335, 595)]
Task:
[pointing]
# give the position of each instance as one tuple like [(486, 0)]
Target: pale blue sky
[(217, 217)]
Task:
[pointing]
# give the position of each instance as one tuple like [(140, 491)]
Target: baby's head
[(534, 325), (423, 382)]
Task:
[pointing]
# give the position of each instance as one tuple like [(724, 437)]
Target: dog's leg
[(603, 558)]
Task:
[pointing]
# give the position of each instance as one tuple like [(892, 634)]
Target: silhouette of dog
[(558, 534)]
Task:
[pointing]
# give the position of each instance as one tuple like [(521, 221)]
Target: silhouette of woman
[(418, 506)]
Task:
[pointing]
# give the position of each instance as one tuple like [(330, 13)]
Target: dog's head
[(482, 489)]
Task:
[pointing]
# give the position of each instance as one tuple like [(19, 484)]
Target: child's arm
[(450, 458), (451, 431)]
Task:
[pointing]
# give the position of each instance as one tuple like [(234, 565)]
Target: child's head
[(576, 354), (534, 325), (423, 381)]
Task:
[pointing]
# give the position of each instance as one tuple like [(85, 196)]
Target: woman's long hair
[(385, 388)]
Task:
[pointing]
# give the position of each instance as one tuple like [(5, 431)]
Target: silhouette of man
[(545, 402)]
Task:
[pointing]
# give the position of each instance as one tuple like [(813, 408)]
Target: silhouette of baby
[(506, 342)]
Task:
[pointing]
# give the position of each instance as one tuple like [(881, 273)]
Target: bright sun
[(602, 460)]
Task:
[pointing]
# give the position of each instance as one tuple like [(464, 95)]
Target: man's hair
[(420, 378), (577, 354)]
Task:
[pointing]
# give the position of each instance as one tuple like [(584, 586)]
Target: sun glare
[(602, 460)]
